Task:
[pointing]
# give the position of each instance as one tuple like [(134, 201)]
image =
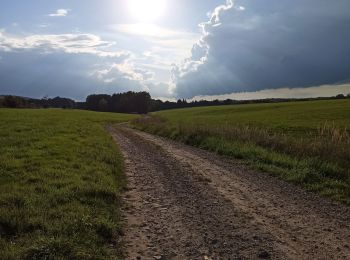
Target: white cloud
[(124, 76), (152, 30), (68, 43), (125, 70), (167, 46), (60, 13), (134, 75)]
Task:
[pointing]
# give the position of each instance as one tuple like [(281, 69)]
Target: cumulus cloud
[(60, 13), (252, 45), (124, 70), (167, 46), (73, 65), (129, 76), (35, 74), (68, 43)]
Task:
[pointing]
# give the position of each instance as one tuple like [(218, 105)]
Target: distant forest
[(130, 102)]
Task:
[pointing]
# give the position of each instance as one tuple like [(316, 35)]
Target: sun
[(147, 10)]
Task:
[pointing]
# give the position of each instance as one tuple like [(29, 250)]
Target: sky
[(192, 49)]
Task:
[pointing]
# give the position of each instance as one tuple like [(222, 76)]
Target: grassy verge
[(60, 175), (277, 138)]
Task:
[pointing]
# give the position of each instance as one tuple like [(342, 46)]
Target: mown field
[(60, 178), (307, 143)]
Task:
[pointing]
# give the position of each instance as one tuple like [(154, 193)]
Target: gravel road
[(185, 203)]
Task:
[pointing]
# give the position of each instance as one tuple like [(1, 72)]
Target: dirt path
[(185, 203)]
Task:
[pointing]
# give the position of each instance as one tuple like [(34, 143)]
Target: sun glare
[(147, 10)]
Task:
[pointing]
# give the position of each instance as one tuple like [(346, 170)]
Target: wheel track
[(185, 203)]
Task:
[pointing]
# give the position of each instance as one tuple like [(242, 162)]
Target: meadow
[(60, 180), (307, 143), (61, 174)]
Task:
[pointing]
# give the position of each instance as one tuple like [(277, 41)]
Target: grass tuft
[(298, 142), (60, 179)]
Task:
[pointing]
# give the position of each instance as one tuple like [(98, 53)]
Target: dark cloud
[(65, 65), (253, 45), (35, 74)]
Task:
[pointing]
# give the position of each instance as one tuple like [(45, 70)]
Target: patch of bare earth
[(185, 203)]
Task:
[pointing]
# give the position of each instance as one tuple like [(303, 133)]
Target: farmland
[(66, 192), (60, 179), (306, 143)]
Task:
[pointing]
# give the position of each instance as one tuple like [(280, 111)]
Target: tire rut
[(185, 203)]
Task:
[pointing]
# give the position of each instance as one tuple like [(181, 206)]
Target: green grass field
[(307, 143), (61, 172), (294, 118), (60, 178)]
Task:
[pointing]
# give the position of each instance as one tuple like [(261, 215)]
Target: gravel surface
[(186, 203)]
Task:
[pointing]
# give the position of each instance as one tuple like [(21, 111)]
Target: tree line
[(130, 102), (22, 102)]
